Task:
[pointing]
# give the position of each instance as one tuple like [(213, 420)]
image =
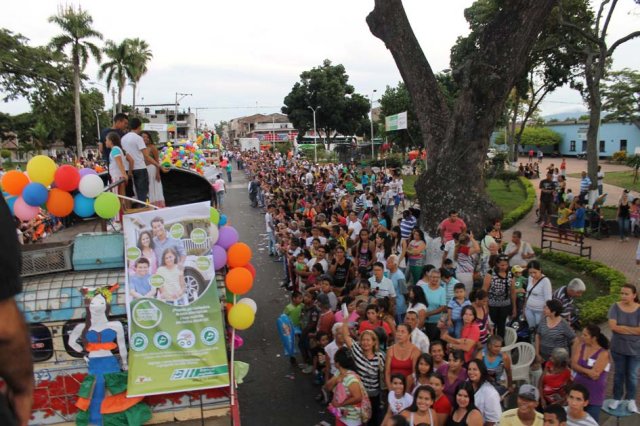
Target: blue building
[(612, 137)]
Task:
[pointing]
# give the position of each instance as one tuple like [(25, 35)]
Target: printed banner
[(396, 122), (176, 335)]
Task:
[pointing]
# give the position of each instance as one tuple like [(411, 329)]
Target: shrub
[(393, 161), (595, 310), (619, 156), (515, 215)]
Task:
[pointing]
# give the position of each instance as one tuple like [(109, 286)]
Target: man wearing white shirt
[(354, 226), (134, 145), (320, 258), (418, 337), (382, 286), (519, 252)]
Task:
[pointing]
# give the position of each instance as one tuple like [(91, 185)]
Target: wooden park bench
[(554, 238)]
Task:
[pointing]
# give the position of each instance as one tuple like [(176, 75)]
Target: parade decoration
[(60, 203), (239, 281), (35, 194), (241, 316), (239, 254), (287, 334), (24, 211), (107, 205), (249, 302), (227, 237), (67, 178), (91, 186), (41, 169), (14, 181), (187, 155), (83, 206)]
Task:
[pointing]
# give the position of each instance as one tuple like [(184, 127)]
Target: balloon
[(60, 203), (227, 237), (215, 216), (251, 269), (219, 257), (241, 317), (67, 178), (41, 169), (239, 281), (83, 206), (10, 202), (223, 220), (214, 234), (237, 342), (249, 302), (107, 205), (14, 182), (24, 211), (91, 186), (238, 254), (86, 171), (35, 194)]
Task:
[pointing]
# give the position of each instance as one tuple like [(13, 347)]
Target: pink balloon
[(24, 211)]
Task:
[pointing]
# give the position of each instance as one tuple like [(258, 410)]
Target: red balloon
[(67, 178), (251, 269)]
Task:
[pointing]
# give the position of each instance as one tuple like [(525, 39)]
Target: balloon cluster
[(229, 252), (60, 190), (187, 156)]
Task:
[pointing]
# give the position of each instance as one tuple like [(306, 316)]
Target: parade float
[(122, 333)]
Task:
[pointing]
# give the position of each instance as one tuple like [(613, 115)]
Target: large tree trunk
[(457, 140), (593, 74), (76, 105), (120, 90), (133, 102)]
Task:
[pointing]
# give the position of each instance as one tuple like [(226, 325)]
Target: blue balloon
[(223, 220), (10, 202), (35, 194), (83, 206)]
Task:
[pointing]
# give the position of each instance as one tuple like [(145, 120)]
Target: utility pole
[(182, 96), (315, 134), (372, 152)]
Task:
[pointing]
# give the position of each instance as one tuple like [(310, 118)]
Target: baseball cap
[(529, 392)]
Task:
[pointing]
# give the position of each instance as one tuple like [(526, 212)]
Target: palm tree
[(76, 28), (119, 68), (141, 55)]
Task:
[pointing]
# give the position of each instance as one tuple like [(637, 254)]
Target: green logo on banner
[(156, 281), (177, 230), (161, 340), (133, 253), (139, 342), (146, 314), (209, 336), (198, 236), (203, 263)]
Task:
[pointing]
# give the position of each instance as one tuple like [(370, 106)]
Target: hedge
[(516, 214), (592, 311)]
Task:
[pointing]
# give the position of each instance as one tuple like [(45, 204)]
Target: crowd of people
[(402, 327)]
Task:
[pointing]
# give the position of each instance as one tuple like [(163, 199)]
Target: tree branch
[(622, 40), (607, 21), (580, 31), (600, 11)]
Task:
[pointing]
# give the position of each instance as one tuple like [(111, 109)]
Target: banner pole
[(232, 380), (135, 200)]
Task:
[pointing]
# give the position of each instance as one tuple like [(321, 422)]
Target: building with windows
[(612, 137), (266, 127), (162, 119)]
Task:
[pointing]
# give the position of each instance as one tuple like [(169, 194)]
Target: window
[(584, 145), (572, 146), (602, 147), (623, 145), (41, 342)]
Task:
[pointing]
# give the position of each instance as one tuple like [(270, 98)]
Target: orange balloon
[(14, 182), (239, 281), (239, 254), (228, 306), (59, 203)]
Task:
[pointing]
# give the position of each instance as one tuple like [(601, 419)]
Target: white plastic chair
[(510, 338), (526, 356)]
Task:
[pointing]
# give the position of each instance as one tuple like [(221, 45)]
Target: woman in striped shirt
[(369, 362)]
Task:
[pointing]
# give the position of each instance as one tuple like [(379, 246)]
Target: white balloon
[(214, 233), (249, 302), (91, 186)]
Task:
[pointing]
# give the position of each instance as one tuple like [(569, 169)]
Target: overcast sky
[(243, 56)]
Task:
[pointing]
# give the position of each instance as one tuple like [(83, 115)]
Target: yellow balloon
[(241, 316), (41, 169)]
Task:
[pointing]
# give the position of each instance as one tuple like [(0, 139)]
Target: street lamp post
[(97, 124), (372, 152), (182, 96), (315, 134)]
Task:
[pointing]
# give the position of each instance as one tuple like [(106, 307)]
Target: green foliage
[(621, 95), (392, 161), (119, 68), (339, 108), (395, 100), (595, 310), (536, 136), (619, 156), (515, 215), (633, 161), (30, 72), (76, 26), (5, 153)]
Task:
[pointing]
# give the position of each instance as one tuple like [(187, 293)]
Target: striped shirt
[(368, 369), (560, 336), (406, 226), (569, 308)]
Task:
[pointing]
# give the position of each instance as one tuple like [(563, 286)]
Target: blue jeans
[(272, 242), (533, 317), (141, 184), (623, 226), (220, 199), (594, 411), (625, 376), (229, 176)]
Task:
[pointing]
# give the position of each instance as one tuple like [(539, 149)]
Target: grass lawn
[(622, 179), (561, 275), (507, 200)]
